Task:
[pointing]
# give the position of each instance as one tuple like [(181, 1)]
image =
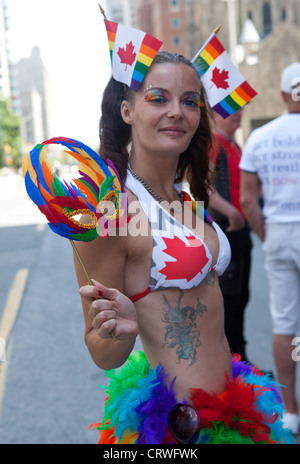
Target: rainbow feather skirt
[(138, 401)]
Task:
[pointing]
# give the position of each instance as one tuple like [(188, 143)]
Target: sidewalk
[(16, 207)]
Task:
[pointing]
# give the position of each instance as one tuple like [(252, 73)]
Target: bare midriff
[(184, 332)]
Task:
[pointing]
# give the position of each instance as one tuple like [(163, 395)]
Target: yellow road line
[(13, 303), (7, 322)]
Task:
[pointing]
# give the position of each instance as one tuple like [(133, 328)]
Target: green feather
[(89, 186), (105, 187), (57, 187), (121, 381), (86, 237)]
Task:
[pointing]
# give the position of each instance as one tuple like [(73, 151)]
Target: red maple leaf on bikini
[(190, 258), (219, 78), (127, 55)]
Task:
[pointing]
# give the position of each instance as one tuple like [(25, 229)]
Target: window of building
[(283, 14), (176, 40), (174, 4), (175, 22), (267, 19)]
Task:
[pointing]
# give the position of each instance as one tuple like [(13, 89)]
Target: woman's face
[(165, 112)]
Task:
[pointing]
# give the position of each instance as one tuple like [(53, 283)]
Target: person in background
[(226, 210), (271, 164)]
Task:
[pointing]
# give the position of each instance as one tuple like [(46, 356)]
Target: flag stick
[(81, 262), (102, 11), (86, 275), (217, 29)]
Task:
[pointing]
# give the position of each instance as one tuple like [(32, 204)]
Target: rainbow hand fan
[(61, 202)]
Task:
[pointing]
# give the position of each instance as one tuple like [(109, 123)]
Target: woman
[(162, 283)]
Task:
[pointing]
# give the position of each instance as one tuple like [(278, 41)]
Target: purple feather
[(89, 181), (155, 411), (71, 189), (111, 164)]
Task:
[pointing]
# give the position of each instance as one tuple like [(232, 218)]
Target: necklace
[(163, 202)]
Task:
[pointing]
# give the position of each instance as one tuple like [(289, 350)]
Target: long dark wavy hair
[(115, 134)]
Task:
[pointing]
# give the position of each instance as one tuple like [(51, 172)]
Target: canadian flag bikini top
[(180, 259)]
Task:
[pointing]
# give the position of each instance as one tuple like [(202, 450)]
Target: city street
[(49, 386)]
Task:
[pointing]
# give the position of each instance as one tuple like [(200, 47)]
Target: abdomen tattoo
[(181, 328)]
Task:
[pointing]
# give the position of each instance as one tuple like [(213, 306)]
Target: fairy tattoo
[(181, 328)]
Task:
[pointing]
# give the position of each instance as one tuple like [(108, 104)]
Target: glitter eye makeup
[(154, 95), (193, 99)]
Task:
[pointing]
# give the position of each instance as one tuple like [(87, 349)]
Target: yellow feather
[(90, 161), (129, 438), (89, 171), (44, 159), (27, 167)]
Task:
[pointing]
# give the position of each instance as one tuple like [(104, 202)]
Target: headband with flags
[(227, 89), (132, 52)]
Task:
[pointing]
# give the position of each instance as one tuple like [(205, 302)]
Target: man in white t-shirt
[(270, 167)]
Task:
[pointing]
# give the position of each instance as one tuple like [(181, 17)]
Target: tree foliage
[(10, 136)]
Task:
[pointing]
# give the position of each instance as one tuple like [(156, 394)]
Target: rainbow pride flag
[(227, 89), (132, 52)]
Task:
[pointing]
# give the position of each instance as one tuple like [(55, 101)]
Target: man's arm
[(235, 219), (250, 194)]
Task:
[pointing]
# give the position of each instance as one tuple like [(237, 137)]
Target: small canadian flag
[(221, 78), (227, 89), (132, 52)]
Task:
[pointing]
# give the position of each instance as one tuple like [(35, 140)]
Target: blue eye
[(193, 101)]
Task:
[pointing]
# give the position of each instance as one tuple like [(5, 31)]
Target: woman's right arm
[(106, 309)]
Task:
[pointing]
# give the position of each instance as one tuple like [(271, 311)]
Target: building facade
[(170, 24), (5, 91), (122, 11), (26, 86), (35, 103)]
